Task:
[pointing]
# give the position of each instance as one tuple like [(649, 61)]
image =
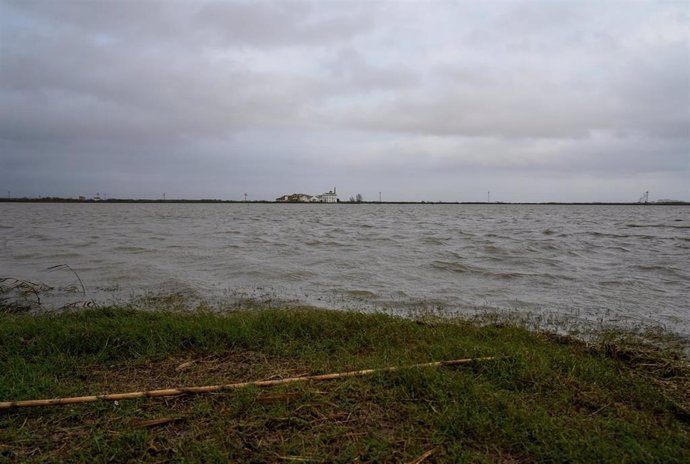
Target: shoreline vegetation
[(544, 398), (149, 200)]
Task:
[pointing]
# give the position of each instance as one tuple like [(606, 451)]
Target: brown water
[(589, 263)]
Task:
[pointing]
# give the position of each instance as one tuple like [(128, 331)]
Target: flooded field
[(612, 264)]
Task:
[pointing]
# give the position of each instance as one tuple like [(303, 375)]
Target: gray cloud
[(276, 24), (216, 98)]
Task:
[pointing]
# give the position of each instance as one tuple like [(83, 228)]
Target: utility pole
[(245, 197), (488, 197), (163, 196), (379, 197)]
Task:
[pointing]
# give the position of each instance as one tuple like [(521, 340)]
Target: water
[(605, 263)]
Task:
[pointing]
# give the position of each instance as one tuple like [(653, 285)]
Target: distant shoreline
[(546, 203)]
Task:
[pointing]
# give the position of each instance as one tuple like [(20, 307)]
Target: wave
[(297, 275), (509, 275), (606, 234), (131, 249), (327, 243), (660, 268), (435, 240), (365, 294), (455, 267), (661, 226)]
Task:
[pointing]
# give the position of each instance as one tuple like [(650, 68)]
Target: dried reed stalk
[(230, 386)]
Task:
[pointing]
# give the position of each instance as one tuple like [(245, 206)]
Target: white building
[(329, 197)]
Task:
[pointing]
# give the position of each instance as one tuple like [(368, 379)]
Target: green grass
[(544, 399)]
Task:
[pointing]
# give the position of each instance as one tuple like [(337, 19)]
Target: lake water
[(625, 264)]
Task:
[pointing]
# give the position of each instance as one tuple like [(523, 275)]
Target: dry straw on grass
[(231, 386)]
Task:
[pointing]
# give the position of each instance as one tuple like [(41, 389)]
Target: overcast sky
[(427, 100)]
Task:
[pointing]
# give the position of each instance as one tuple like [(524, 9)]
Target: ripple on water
[(324, 243), (365, 294), (131, 249), (65, 255), (297, 275), (660, 226), (26, 256), (436, 240), (660, 269), (456, 267)]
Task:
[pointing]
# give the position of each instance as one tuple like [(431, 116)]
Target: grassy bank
[(544, 399)]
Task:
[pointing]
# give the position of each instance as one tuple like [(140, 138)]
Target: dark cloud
[(212, 99)]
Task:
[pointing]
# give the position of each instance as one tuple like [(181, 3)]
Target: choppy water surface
[(612, 263)]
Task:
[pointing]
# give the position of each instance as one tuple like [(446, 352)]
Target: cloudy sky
[(426, 100)]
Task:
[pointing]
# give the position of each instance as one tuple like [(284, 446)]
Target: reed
[(20, 295), (229, 386)]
